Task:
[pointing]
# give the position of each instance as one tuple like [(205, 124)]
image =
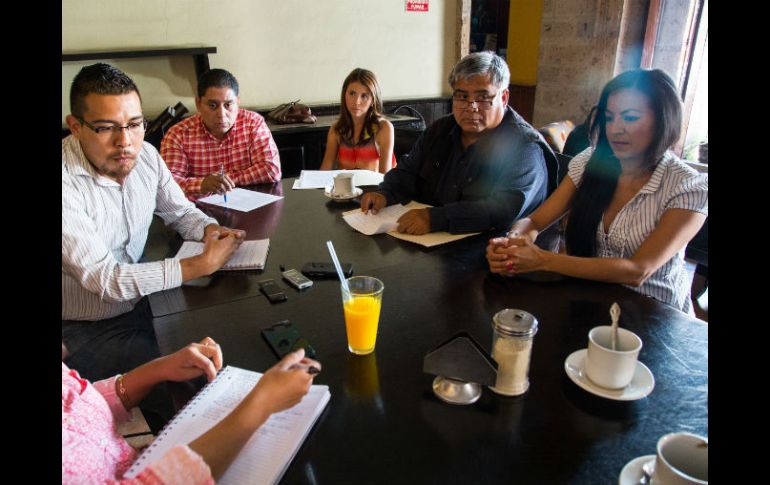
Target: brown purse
[(293, 112)]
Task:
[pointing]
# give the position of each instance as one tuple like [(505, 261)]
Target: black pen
[(313, 370)]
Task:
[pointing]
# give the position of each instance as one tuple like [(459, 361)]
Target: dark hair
[(216, 78), (98, 78), (344, 124), (603, 169)]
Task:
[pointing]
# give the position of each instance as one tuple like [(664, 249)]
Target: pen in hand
[(223, 177), (313, 370)]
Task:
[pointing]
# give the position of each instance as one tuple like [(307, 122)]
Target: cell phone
[(326, 270), (283, 338), (272, 291), (296, 279)]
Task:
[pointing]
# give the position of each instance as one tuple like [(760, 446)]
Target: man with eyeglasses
[(223, 145), (481, 168), (112, 184)]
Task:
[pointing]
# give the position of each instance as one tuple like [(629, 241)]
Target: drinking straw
[(337, 266)]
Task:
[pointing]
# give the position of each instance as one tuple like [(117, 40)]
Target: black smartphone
[(272, 291), (326, 270), (283, 338)]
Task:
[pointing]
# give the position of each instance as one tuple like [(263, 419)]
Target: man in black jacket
[(481, 168)]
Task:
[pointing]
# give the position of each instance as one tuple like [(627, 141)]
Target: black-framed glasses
[(482, 103), (135, 127)]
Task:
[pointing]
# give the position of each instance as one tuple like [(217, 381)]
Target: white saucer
[(342, 198), (641, 384), (632, 472)]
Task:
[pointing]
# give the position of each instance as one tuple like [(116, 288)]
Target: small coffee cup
[(611, 369), (682, 459), (343, 185)]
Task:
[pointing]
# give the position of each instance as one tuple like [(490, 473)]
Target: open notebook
[(268, 453), (250, 254)]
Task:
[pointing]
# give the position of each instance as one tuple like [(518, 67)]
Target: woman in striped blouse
[(633, 205), (361, 138)]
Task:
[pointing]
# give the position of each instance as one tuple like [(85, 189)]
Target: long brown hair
[(344, 125), (600, 178)]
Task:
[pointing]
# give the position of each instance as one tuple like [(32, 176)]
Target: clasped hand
[(511, 255)]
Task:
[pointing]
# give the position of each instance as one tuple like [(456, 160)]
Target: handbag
[(293, 112)]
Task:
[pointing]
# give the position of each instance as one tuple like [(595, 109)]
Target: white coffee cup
[(343, 185), (611, 369), (682, 459)]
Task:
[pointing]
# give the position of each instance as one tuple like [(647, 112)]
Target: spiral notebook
[(268, 453), (249, 255)]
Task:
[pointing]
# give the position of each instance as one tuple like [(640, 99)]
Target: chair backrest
[(158, 127), (563, 164), (556, 133)]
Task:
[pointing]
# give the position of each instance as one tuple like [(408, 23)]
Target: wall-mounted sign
[(416, 6)]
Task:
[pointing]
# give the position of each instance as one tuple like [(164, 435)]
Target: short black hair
[(216, 78), (98, 78)]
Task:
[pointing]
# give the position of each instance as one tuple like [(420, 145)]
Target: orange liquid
[(361, 317)]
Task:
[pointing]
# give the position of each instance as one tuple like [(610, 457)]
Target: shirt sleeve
[(90, 262), (578, 165), (174, 208), (691, 193), (106, 388), (179, 465), (265, 164), (173, 153), (513, 195)]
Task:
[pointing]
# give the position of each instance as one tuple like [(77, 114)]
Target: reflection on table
[(383, 424)]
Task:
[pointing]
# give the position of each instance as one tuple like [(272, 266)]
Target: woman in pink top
[(361, 138), (93, 452)]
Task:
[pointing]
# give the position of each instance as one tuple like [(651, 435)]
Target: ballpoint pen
[(223, 176)]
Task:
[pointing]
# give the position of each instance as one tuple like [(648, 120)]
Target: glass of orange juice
[(362, 302)]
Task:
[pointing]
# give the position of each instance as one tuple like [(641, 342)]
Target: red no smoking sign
[(416, 6)]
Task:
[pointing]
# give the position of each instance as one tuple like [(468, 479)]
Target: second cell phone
[(272, 291), (326, 270)]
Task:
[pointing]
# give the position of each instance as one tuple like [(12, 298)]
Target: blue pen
[(223, 176)]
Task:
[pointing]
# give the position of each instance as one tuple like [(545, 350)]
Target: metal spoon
[(615, 314), (648, 468)]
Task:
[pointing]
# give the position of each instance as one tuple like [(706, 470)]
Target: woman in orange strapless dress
[(361, 138)]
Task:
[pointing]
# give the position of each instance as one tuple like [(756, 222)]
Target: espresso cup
[(682, 459), (611, 369), (343, 185)]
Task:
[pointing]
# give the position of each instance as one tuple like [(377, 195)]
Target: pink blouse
[(93, 452)]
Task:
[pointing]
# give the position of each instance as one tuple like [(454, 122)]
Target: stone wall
[(579, 43)]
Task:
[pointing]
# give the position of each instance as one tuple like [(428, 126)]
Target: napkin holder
[(461, 367)]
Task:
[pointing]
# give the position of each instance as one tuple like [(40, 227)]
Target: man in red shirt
[(223, 146)]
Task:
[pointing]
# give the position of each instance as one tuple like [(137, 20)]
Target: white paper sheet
[(241, 199), (318, 179), (385, 221)]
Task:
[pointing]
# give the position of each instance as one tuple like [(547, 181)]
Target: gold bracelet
[(122, 390)]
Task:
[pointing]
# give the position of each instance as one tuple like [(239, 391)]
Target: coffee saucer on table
[(641, 384), (342, 198), (632, 472)]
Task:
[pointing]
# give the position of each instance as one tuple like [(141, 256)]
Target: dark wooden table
[(383, 423)]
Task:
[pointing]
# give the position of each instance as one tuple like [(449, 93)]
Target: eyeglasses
[(134, 128), (482, 103)]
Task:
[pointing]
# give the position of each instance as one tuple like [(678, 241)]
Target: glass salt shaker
[(514, 331)]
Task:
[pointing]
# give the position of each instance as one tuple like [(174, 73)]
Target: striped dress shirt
[(104, 230), (247, 152), (673, 185)]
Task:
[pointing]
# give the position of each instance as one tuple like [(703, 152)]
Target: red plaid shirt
[(247, 151)]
